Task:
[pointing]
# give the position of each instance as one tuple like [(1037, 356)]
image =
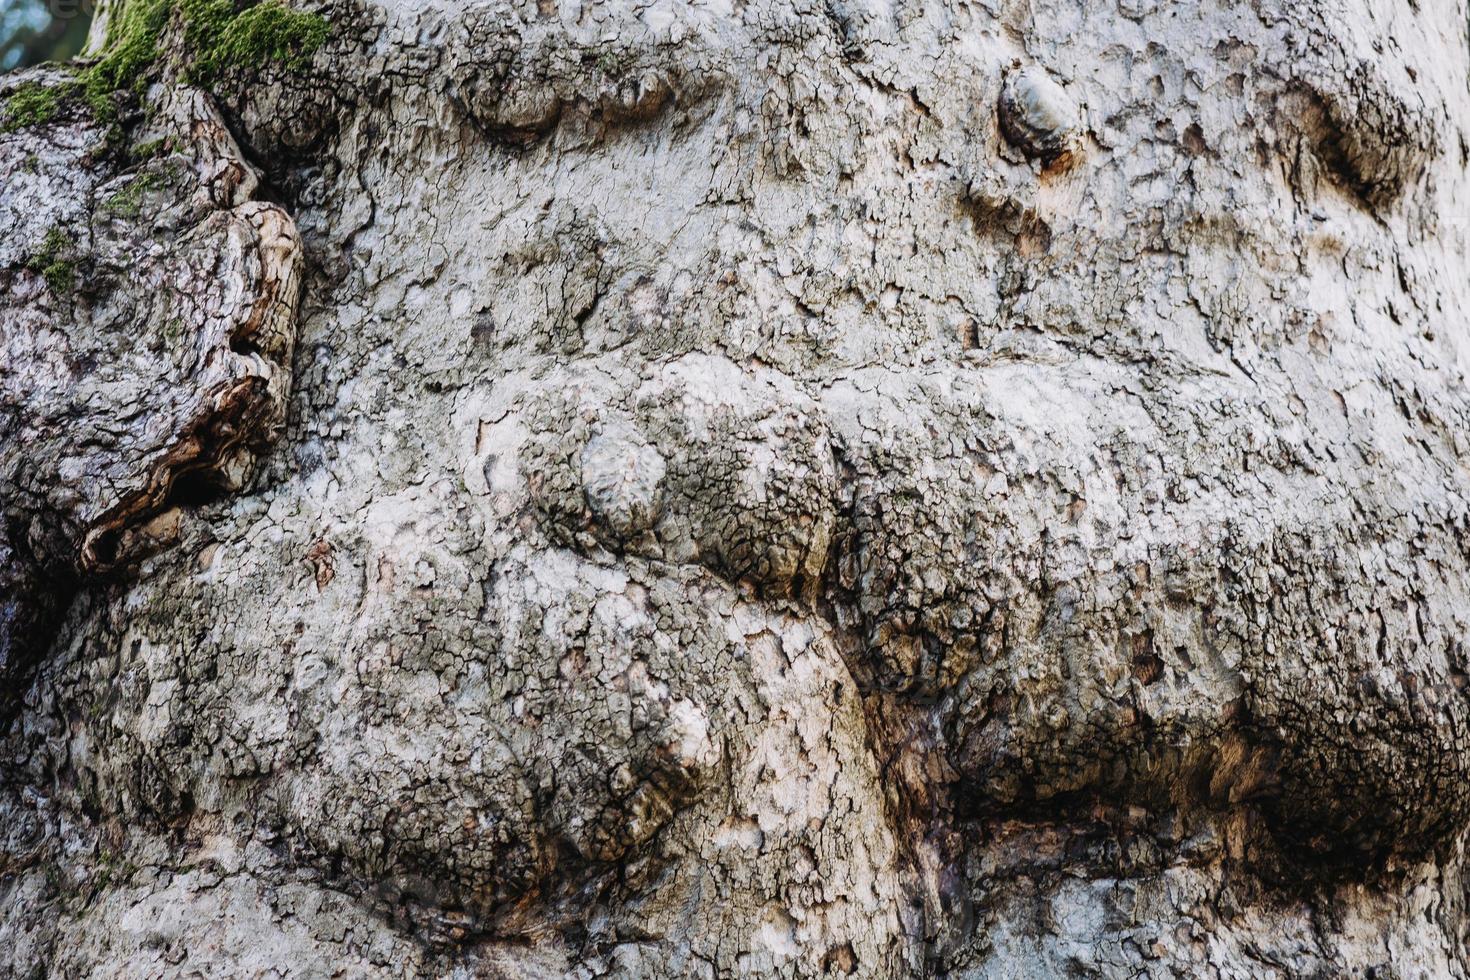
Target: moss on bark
[(217, 36)]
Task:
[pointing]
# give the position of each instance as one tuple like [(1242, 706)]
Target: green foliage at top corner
[(218, 36)]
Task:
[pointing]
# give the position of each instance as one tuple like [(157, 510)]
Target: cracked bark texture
[(775, 489)]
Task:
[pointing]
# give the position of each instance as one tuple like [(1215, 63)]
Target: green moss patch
[(128, 202), (30, 105), (55, 263), (132, 48), (223, 39), (218, 37), (148, 149)]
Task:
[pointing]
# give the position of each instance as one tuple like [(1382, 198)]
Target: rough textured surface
[(937, 489), (147, 313)]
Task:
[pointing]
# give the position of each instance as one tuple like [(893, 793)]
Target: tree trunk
[(667, 490)]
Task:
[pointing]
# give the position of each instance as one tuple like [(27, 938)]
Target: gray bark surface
[(930, 489)]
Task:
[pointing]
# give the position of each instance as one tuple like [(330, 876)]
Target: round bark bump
[(622, 476), (1038, 116)]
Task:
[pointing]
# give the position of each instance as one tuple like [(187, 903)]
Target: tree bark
[(667, 490)]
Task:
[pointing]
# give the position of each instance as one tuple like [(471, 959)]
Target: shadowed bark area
[(658, 490)]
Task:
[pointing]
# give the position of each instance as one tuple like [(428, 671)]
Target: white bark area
[(876, 489)]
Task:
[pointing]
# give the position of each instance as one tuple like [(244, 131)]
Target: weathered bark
[(930, 489)]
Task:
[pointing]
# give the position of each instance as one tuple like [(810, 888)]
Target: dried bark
[(788, 490)]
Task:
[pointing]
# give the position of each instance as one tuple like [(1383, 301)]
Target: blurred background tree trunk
[(33, 31)]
